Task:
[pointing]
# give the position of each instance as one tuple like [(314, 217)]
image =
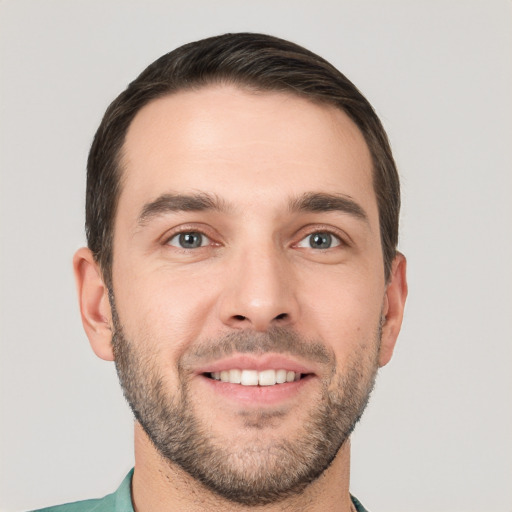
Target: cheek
[(167, 306), (344, 309)]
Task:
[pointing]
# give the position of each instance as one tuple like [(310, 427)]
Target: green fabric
[(121, 501), (357, 504)]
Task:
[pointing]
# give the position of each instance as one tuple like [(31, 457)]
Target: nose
[(259, 291)]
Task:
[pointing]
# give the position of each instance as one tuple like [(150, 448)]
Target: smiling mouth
[(256, 378)]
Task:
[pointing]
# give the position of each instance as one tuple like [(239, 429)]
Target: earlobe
[(393, 308), (94, 303)]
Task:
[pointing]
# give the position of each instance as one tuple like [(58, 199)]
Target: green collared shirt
[(121, 501)]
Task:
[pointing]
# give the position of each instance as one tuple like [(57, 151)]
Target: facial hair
[(261, 471)]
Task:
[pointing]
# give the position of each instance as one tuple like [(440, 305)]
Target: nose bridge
[(260, 292)]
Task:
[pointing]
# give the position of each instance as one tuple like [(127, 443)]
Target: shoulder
[(98, 505), (119, 501), (358, 505)]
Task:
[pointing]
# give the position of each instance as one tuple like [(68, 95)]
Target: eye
[(320, 240), (189, 240)]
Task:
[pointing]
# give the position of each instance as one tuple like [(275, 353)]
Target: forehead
[(244, 147)]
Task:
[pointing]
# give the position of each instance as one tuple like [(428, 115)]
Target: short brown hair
[(259, 61)]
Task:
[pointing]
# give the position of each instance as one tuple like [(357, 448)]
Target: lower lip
[(258, 395)]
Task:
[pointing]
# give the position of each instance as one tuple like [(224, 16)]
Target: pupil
[(190, 240), (321, 240)]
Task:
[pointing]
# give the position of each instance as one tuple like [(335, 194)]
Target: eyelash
[(331, 237), (340, 237), (183, 233), (186, 230), (337, 239)]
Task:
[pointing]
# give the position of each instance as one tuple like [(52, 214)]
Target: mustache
[(277, 339)]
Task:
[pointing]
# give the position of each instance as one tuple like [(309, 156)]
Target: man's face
[(247, 248)]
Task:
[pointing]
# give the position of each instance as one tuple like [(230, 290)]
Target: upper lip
[(256, 362)]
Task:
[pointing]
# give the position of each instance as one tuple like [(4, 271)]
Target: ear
[(393, 308), (94, 303)]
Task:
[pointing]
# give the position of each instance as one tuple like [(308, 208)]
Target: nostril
[(282, 316), (239, 317)]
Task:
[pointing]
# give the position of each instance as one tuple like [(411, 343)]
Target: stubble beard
[(260, 471)]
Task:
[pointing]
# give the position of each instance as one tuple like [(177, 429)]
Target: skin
[(257, 153)]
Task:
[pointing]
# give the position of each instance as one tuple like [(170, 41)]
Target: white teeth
[(281, 376), (267, 378), (255, 378), (235, 376), (249, 378)]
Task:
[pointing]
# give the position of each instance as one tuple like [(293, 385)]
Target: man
[(242, 272)]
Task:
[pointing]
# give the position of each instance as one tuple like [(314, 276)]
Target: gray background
[(438, 434)]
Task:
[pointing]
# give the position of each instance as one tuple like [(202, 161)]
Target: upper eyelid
[(309, 230), (186, 228), (299, 235), (177, 234), (338, 239)]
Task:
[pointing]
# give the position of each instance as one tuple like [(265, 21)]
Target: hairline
[(247, 85)]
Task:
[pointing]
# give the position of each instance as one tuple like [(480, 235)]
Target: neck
[(161, 486)]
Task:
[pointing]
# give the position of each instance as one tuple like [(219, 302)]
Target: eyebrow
[(180, 202), (315, 202), (318, 202)]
